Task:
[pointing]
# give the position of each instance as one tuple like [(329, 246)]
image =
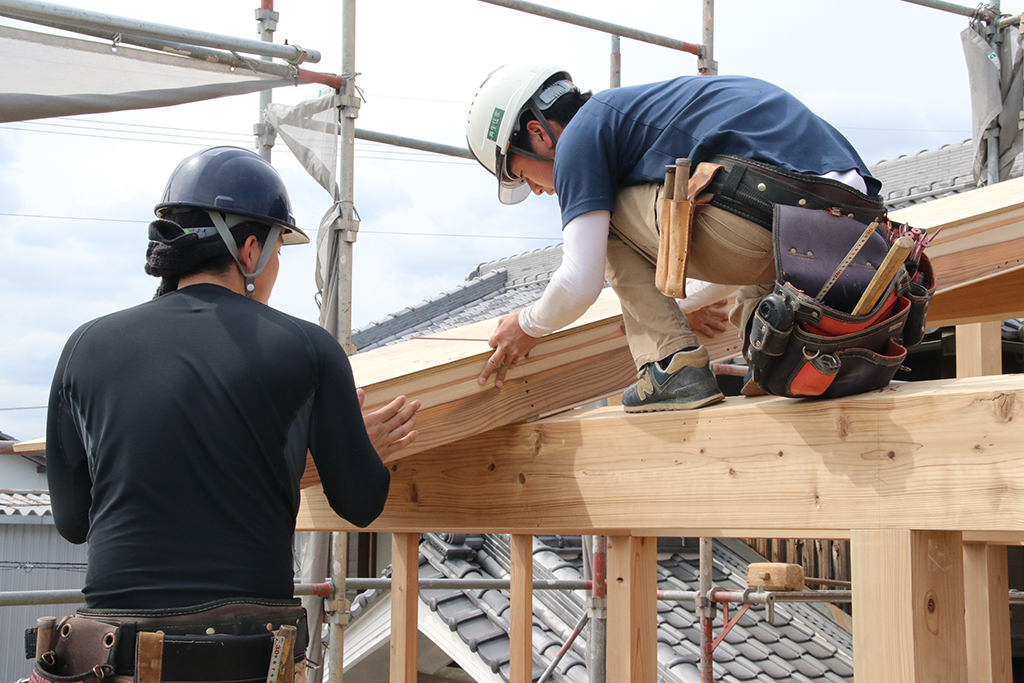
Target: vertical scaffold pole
[(706, 612), (616, 64), (266, 20), (348, 227), (597, 643), (706, 65), (995, 37)]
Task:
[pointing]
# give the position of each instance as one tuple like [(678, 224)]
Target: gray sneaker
[(688, 383)]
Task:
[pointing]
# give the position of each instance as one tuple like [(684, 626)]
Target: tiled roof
[(929, 174), (801, 646), (25, 503)]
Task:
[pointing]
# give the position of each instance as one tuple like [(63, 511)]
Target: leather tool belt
[(751, 189), (804, 340), (228, 640)]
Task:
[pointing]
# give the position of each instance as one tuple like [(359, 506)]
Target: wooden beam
[(584, 362), (929, 455), (521, 608), (994, 298), (908, 598), (987, 614), (405, 564), (632, 609)]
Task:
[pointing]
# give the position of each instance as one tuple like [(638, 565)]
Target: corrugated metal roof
[(25, 503)]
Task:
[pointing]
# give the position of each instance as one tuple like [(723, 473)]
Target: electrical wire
[(361, 231)]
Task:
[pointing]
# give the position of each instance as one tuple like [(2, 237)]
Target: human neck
[(229, 279)]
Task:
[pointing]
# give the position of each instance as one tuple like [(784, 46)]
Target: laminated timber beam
[(940, 455), (978, 256), (580, 364)]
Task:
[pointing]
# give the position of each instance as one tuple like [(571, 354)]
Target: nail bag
[(804, 339)]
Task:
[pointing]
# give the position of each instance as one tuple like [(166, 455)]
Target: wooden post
[(908, 598), (521, 621), (979, 349), (987, 614), (405, 564), (632, 609), (987, 608)]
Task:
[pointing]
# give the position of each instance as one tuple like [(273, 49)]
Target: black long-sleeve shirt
[(176, 436)]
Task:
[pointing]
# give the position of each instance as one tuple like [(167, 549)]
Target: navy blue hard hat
[(235, 181)]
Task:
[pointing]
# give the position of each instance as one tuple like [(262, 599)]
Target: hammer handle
[(884, 275)]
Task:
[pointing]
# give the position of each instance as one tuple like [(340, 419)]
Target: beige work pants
[(724, 249)]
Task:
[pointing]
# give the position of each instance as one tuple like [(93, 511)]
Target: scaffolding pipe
[(982, 13), (205, 54), (597, 25), (324, 590), (615, 79), (38, 12), (565, 648), (706, 611), (266, 21), (706, 65), (413, 143), (598, 642)]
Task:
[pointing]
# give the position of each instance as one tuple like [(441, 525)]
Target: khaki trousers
[(724, 249)]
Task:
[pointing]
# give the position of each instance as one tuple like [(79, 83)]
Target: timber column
[(908, 606)]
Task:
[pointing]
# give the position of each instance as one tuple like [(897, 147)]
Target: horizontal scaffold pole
[(75, 19), (598, 25)]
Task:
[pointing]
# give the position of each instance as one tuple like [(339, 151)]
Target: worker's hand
[(510, 344), (390, 428), (711, 321)]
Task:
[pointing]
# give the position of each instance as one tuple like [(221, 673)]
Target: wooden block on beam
[(632, 609), (405, 564), (775, 576), (908, 598), (933, 455)]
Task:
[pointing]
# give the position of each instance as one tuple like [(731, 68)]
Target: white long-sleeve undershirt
[(576, 283)]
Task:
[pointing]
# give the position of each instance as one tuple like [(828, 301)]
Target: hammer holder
[(680, 199)]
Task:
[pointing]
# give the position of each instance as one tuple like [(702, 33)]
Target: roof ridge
[(428, 309)]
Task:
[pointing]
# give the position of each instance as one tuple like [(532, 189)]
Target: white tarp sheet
[(310, 130), (997, 95), (46, 75)]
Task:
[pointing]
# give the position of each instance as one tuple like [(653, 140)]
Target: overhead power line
[(361, 231)]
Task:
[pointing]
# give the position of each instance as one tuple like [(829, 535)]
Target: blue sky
[(76, 194)]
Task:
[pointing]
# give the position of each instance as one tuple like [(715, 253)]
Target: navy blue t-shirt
[(626, 136)]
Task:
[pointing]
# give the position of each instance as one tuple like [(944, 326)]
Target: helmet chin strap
[(268, 247)]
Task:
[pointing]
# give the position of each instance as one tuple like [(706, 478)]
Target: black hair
[(174, 253), (561, 112)]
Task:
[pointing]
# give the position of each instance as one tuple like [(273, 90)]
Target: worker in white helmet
[(604, 155)]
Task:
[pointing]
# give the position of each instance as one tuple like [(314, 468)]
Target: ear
[(537, 133), (250, 253)]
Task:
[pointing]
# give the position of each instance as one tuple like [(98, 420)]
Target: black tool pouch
[(802, 340)]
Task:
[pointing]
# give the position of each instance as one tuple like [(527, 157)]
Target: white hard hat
[(494, 118)]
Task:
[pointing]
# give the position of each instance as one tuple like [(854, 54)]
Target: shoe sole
[(663, 406)]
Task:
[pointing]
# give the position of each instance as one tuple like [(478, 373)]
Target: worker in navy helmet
[(604, 156), (177, 436)]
